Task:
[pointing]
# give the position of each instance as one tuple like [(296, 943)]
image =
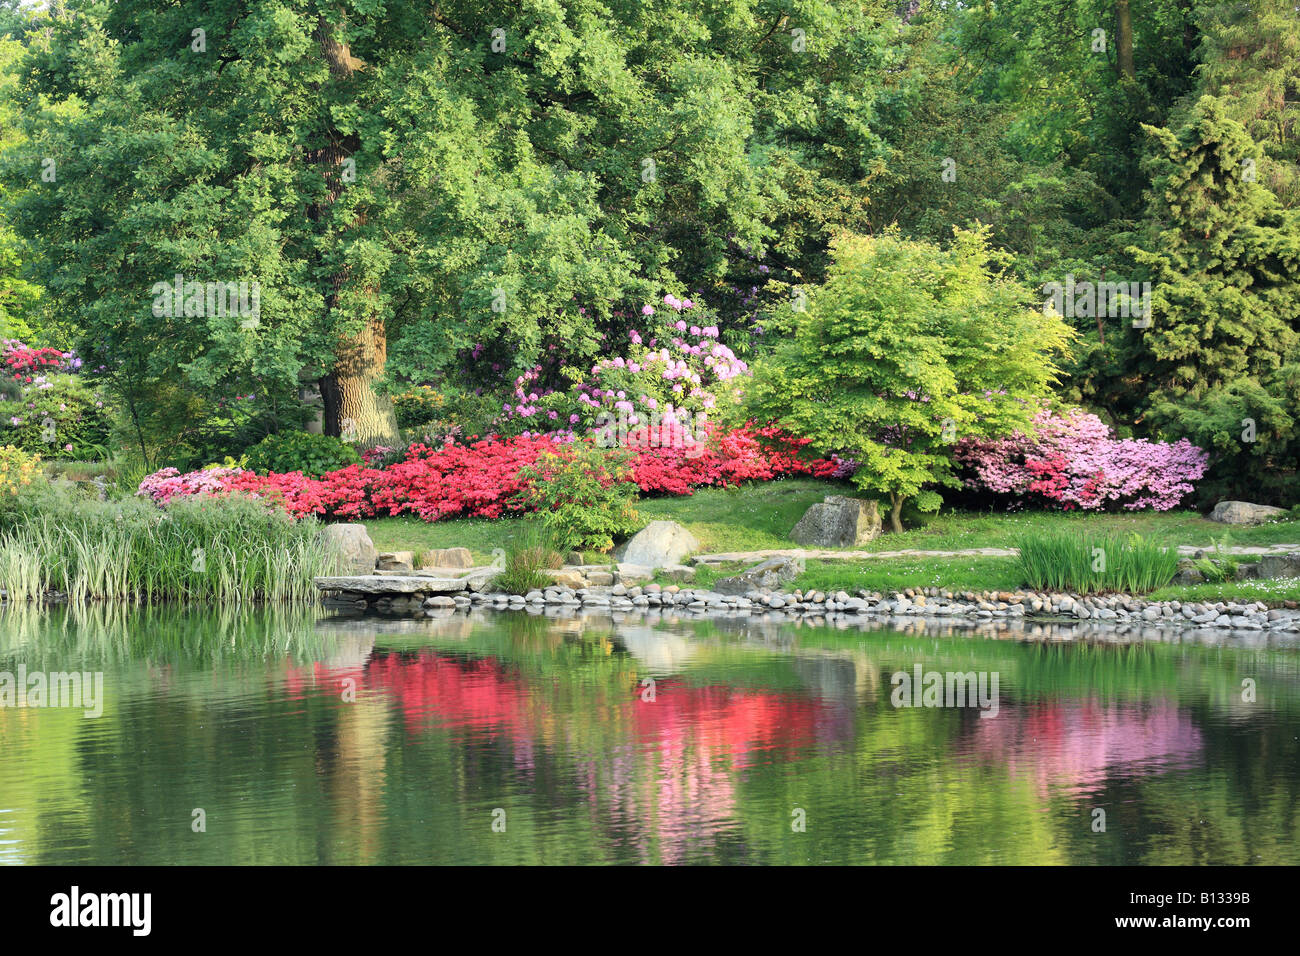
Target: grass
[(534, 550), (885, 575), (759, 517), (1270, 591), (1093, 564), (752, 518), (227, 552)]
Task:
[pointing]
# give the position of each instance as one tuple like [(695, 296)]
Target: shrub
[(60, 417), (482, 479), (313, 455), (905, 347), (1071, 461), (583, 496), (1065, 561), (17, 469)]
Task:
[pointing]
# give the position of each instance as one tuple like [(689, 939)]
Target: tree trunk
[(352, 409), (1124, 41), (896, 513)]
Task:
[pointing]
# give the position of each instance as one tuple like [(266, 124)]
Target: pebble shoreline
[(929, 603)]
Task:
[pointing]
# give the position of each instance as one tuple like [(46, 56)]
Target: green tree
[(1224, 258), (18, 297), (1250, 60), (907, 348)]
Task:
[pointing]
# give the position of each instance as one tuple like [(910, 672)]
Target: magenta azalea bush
[(1073, 461)]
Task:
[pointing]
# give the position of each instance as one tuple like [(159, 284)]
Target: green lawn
[(760, 516), (892, 574), (752, 518)]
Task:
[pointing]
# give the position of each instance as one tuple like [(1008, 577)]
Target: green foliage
[(583, 495), (425, 413), (1090, 564), (313, 455), (536, 548), (228, 551), (904, 350), (1225, 311), (1250, 59), (60, 417)]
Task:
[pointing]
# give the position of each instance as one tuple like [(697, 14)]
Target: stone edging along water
[(1116, 610)]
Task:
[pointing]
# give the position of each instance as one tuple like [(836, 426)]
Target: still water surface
[(305, 738)]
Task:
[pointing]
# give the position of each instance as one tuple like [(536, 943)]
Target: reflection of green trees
[(241, 714)]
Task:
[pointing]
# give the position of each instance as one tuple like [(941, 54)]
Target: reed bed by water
[(1090, 564), (223, 551)]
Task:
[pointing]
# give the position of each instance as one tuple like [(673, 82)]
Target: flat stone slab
[(392, 584)]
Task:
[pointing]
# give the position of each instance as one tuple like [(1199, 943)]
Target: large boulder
[(1243, 512), (838, 522), (768, 576), (352, 544), (658, 544)]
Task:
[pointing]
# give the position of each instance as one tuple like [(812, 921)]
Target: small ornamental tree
[(906, 349)]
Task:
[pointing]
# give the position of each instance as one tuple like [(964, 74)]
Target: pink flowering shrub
[(162, 486), (1074, 462), (672, 368)]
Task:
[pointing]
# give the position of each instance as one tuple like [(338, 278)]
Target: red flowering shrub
[(482, 479)]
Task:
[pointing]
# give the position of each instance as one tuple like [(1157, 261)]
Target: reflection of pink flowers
[(1077, 745)]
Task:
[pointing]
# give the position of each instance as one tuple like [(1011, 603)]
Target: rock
[(1280, 566), (838, 522), (574, 558), (439, 600), (391, 584), (479, 579), (632, 573), (1246, 572), (767, 576), (395, 561), (355, 549), (1243, 512), (678, 572), (600, 578), (446, 558), (566, 577), (657, 544)]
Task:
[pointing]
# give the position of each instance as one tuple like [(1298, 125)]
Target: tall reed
[(1090, 564), (225, 551)]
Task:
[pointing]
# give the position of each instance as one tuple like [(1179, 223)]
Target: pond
[(301, 737)]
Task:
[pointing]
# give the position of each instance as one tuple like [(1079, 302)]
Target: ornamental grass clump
[(535, 550), (225, 551), (1092, 564)]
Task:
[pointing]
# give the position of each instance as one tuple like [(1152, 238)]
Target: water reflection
[(310, 738)]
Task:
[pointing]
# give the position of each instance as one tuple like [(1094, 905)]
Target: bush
[(1064, 561), (583, 496), (17, 468), (482, 479), (313, 455), (1071, 461), (59, 417)]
